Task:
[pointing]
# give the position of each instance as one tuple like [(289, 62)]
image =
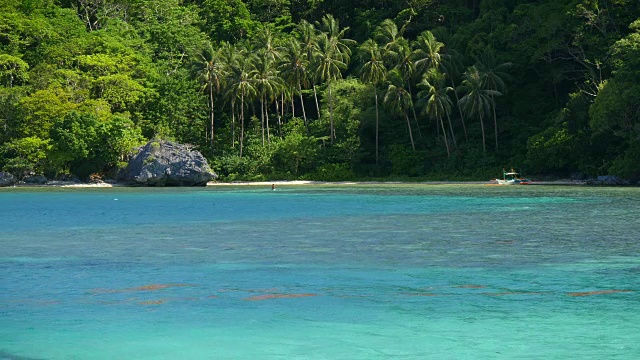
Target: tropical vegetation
[(323, 89)]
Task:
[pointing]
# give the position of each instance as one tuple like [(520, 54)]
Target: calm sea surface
[(320, 272)]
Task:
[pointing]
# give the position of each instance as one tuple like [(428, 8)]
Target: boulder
[(7, 179), (35, 180), (607, 180), (165, 163)]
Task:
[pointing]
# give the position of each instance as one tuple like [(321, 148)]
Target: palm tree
[(329, 65), (241, 84), (212, 72), (399, 99), (450, 63), (387, 33), (308, 36), (493, 75), (230, 56), (293, 68), (426, 52), (374, 72), (437, 102), (403, 61), (331, 56), (331, 28), (266, 82), (266, 39), (286, 95), (477, 100)]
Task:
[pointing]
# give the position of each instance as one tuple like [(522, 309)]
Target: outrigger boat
[(512, 178)]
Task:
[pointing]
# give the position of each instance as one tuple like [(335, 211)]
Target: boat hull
[(512, 182), (508, 182)]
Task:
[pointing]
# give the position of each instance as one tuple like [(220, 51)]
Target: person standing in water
[(273, 187)]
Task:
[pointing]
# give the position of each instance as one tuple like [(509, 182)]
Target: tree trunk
[(375, 93), (444, 133), (413, 109), (266, 116), (464, 127), (495, 120), (211, 111), (413, 146), (315, 95), (304, 113), (453, 136), (279, 118), (332, 135), (262, 117), (233, 123), (282, 103), (484, 146), (241, 121)]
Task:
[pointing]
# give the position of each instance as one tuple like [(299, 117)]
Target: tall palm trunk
[(333, 134), (484, 146), (262, 117), (211, 112), (413, 109), (453, 136), (413, 146), (241, 121), (444, 134), (495, 120), (375, 93), (315, 96), (464, 127), (279, 118), (304, 114), (233, 123), (266, 116)]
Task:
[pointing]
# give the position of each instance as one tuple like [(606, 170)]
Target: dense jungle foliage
[(323, 89)]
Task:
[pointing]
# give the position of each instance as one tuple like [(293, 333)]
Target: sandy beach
[(346, 183), (309, 182), (278, 183)]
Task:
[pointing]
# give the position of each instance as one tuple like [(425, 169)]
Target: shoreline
[(69, 184), (340, 183)]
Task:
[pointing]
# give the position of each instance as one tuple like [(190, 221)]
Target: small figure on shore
[(273, 187)]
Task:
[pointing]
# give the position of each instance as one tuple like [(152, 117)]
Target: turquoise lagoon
[(320, 272)]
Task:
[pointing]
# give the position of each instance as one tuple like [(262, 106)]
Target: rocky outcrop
[(35, 180), (165, 163), (607, 180), (7, 179)]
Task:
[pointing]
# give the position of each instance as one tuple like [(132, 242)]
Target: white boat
[(512, 178)]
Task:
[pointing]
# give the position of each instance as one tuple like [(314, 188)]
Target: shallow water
[(320, 272)]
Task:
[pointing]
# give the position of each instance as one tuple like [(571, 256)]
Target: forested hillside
[(323, 89)]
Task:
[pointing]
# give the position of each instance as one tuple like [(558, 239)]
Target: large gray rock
[(7, 179), (611, 180), (35, 180), (165, 163), (607, 180)]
